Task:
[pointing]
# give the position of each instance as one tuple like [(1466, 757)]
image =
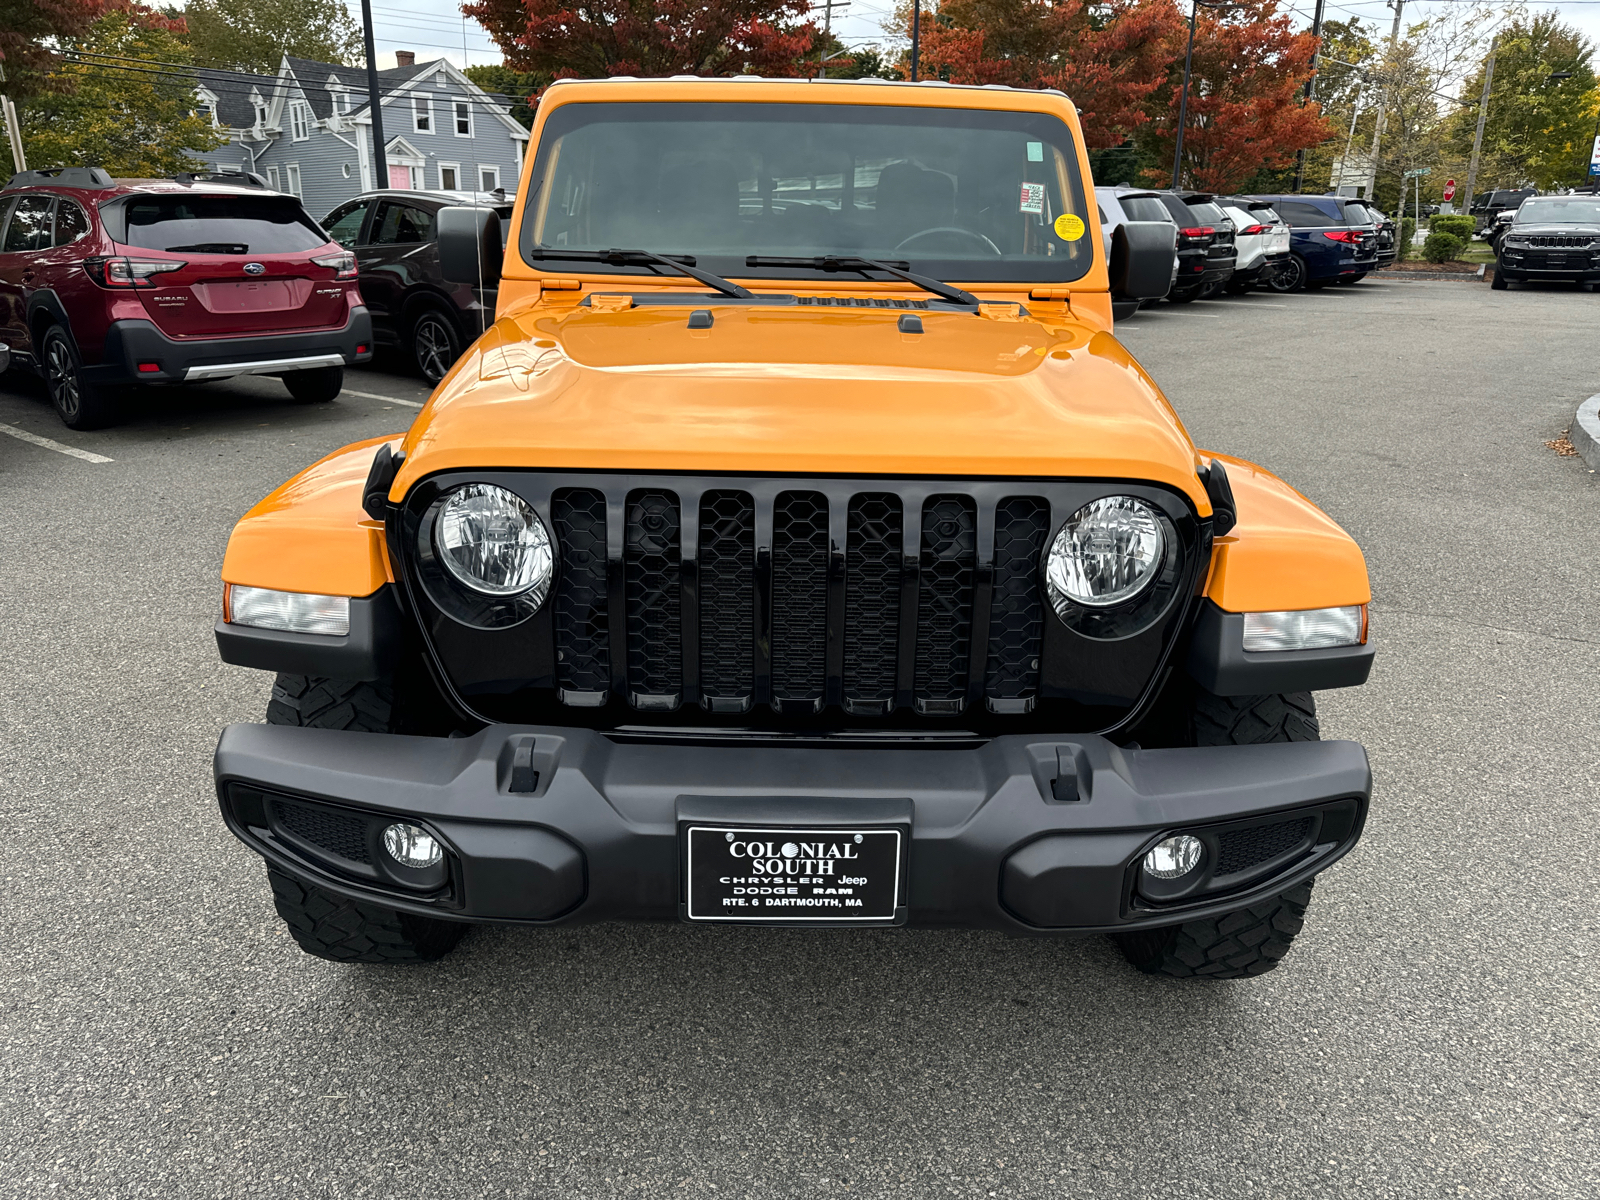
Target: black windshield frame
[(1041, 126)]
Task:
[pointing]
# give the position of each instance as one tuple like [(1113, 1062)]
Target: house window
[(421, 114), (261, 114), (299, 126), (463, 119), (341, 102), (272, 178), (293, 170), (450, 176), (488, 178)]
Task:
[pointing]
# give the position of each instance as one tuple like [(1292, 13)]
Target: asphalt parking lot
[(1434, 1032)]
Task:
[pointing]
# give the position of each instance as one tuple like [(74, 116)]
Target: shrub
[(1459, 224), (1408, 230), (1442, 247)]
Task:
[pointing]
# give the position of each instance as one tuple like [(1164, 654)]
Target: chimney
[(405, 58)]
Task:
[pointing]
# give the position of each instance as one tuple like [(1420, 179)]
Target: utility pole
[(827, 32), (1383, 100), (916, 36), (380, 159), (1310, 94), (1483, 112)]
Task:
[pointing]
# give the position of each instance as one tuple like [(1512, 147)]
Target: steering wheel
[(984, 244)]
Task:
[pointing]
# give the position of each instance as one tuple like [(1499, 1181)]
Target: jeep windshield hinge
[(375, 495)]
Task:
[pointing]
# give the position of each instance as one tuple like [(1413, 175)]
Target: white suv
[(1262, 242)]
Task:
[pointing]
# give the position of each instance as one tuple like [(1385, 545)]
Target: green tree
[(1537, 130), (131, 122), (520, 86), (254, 36)]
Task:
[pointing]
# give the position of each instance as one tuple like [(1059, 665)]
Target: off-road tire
[(79, 403), (316, 386), (1238, 945), (1252, 940), (316, 703), (349, 931), (1248, 720)]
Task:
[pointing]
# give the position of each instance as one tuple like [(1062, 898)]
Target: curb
[(1585, 434)]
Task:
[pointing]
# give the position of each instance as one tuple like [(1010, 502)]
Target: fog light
[(413, 847), (1169, 859)]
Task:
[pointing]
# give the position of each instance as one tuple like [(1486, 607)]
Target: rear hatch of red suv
[(223, 264)]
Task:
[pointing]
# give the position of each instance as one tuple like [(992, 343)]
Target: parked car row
[(110, 284), (1236, 243)]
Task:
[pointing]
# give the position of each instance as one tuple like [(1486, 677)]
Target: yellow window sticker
[(1069, 227)]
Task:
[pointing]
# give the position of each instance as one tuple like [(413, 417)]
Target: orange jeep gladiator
[(798, 547)]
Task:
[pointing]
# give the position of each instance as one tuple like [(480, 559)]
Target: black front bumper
[(1575, 267), (129, 343), (1025, 834)]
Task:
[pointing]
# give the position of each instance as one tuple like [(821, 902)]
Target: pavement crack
[(1555, 637)]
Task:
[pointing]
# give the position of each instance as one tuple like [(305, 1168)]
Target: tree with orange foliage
[(648, 37), (1108, 57), (1244, 99)]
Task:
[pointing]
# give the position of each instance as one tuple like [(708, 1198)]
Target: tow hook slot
[(1074, 779)]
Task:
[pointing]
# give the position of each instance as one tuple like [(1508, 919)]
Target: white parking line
[(375, 396), (35, 439)]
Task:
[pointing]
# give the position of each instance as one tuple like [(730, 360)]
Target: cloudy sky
[(435, 27)]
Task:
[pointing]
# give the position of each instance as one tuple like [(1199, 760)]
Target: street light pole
[(1183, 102), (380, 160), (916, 37), (1483, 112), (1310, 94)]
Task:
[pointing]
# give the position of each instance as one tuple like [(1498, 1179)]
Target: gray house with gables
[(308, 129)]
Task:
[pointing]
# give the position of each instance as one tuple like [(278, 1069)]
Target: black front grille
[(1016, 617), (799, 599), (337, 833), (944, 603), (872, 601), (583, 663), (1561, 241), (727, 600), (652, 564), (873, 597), (1240, 849)]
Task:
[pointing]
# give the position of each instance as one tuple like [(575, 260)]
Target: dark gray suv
[(394, 237)]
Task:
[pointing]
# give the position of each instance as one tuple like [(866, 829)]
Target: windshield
[(956, 194), (1559, 209), (219, 225)]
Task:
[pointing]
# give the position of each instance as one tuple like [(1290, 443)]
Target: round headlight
[(1107, 552), (492, 541)]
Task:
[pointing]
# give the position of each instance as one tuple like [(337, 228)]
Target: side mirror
[(470, 249), (1142, 256)]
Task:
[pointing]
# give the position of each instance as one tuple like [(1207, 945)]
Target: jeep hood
[(801, 390)]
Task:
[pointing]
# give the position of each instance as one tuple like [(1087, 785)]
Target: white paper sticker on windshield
[(1033, 197), (1036, 151)]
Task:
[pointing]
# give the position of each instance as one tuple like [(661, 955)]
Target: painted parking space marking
[(48, 444), (386, 399)]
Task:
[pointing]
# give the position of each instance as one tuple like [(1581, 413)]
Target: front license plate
[(802, 876)]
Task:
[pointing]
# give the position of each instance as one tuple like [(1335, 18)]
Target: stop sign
[(1449, 190)]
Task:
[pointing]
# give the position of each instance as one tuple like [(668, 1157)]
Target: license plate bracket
[(765, 874)]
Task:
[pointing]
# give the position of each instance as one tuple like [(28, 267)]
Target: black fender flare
[(44, 305)]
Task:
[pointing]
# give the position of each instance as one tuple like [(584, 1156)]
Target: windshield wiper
[(854, 262), (683, 263)]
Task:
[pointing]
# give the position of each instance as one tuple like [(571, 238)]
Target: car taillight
[(343, 263), (1251, 230), (1198, 231), (129, 272), (1343, 235)]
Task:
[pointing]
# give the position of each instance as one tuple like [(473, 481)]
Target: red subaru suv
[(109, 283)]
